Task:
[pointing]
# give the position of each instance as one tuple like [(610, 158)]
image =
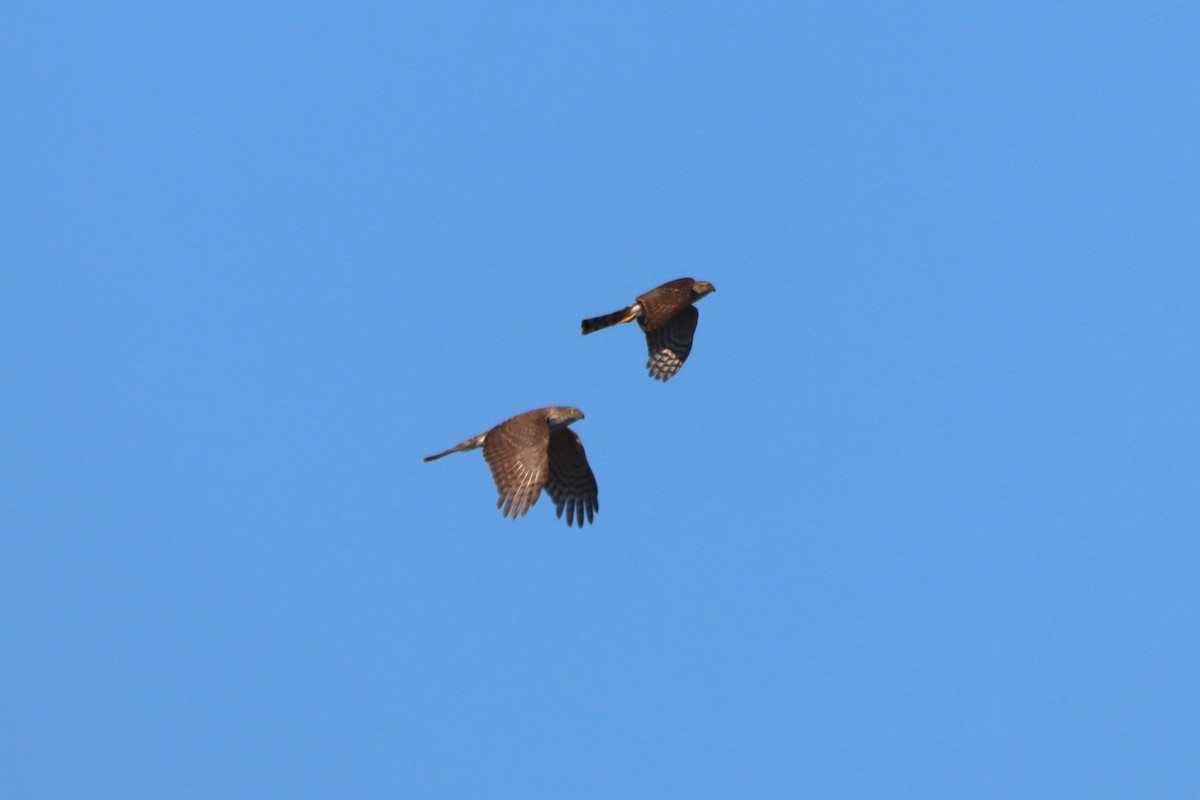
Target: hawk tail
[(469, 444), (627, 314)]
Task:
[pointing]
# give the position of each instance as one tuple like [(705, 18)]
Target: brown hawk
[(535, 451), (667, 317)]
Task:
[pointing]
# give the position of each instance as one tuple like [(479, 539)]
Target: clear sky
[(920, 517)]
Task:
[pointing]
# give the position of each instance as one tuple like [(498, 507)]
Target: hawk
[(667, 317), (535, 451)]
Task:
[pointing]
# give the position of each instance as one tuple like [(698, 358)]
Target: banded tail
[(627, 314), (469, 444)]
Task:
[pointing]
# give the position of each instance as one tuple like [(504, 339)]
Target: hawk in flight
[(535, 451), (667, 317)]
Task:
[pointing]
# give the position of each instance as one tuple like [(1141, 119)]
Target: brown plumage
[(535, 451), (667, 317)]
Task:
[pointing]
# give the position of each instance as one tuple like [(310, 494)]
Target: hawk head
[(701, 288), (562, 416)]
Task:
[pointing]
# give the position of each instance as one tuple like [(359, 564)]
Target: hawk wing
[(671, 343), (515, 450), (571, 484)]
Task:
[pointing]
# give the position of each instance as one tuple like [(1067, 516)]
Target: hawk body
[(667, 316), (659, 306), (535, 451)]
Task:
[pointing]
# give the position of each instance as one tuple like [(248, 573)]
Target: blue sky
[(918, 518)]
